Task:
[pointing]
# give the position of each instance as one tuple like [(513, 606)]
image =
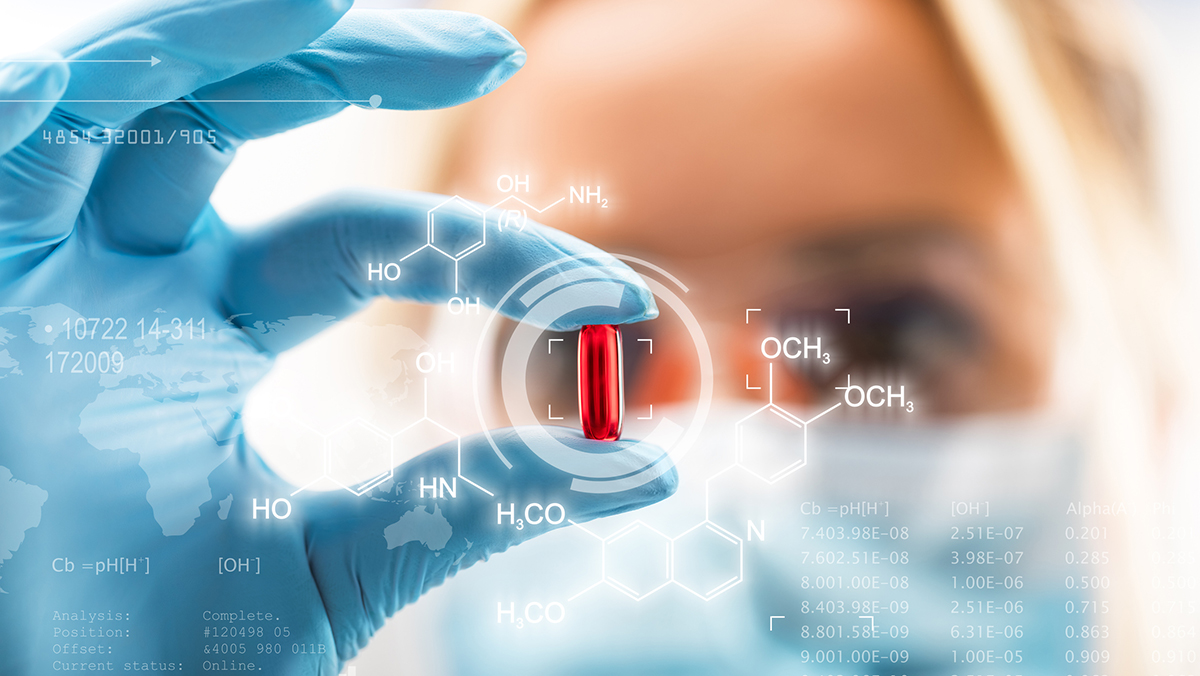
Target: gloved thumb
[(459, 504)]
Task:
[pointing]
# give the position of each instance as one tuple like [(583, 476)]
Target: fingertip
[(487, 48), (637, 455), (637, 305), (517, 59), (663, 484), (505, 69), (488, 37), (649, 308), (666, 484)]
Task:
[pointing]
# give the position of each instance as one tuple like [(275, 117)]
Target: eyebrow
[(871, 244)]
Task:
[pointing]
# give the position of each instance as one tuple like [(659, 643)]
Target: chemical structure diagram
[(771, 444), (510, 213), (358, 448), (627, 554), (705, 559)]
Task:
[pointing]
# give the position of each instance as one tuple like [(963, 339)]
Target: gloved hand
[(133, 322)]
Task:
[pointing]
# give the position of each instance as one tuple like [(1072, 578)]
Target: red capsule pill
[(601, 382)]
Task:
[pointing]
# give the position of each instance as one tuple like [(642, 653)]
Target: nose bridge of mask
[(1001, 459)]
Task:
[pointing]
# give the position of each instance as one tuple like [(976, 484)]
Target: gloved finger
[(183, 45), (290, 280), (142, 56), (396, 59), (373, 554), (30, 85)]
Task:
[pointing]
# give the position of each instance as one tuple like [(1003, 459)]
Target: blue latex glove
[(138, 463)]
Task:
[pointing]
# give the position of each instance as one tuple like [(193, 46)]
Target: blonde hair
[(1062, 82)]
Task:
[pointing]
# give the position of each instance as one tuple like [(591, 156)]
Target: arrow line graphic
[(153, 61)]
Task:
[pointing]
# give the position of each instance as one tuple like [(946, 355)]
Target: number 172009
[(90, 361)]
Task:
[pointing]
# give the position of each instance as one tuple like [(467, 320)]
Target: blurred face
[(795, 156)]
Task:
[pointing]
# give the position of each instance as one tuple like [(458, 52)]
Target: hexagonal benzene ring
[(360, 457), (771, 443), (462, 228), (636, 561), (706, 560)]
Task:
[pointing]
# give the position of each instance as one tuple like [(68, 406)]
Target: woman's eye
[(912, 334), (906, 335)]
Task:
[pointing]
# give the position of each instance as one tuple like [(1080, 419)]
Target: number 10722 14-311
[(117, 328)]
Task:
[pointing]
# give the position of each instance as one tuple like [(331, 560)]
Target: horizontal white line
[(156, 101)]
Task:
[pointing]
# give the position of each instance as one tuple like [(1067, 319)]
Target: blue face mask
[(889, 550)]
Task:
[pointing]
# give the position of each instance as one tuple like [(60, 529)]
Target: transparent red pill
[(601, 382)]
